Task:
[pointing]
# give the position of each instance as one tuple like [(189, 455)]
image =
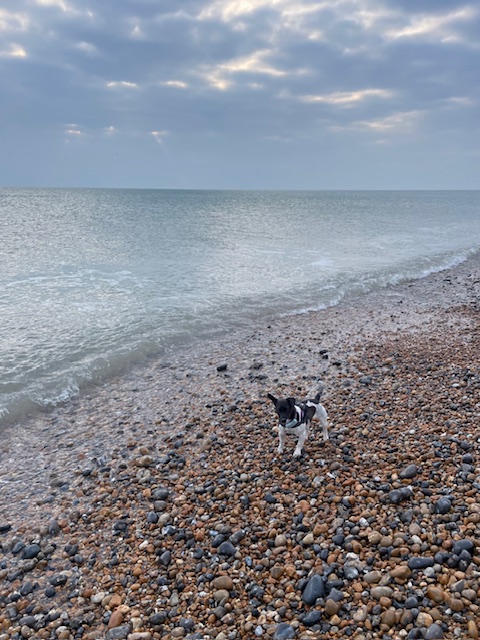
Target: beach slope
[(157, 506)]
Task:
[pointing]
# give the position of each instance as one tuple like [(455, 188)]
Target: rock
[(315, 588), (424, 619), (166, 558), (118, 633), (435, 593), (284, 631), (472, 629), (31, 551), (280, 540), (409, 472), (388, 617), (442, 506), (223, 582), (227, 549), (418, 562), (402, 572), (381, 592), (372, 577), (157, 619), (463, 545), (332, 607), (221, 594), (312, 617), (433, 631), (116, 619)]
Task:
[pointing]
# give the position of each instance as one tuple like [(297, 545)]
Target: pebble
[(315, 588)]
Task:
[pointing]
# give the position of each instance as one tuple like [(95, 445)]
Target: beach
[(156, 505)]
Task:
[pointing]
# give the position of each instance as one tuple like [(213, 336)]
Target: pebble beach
[(156, 505)]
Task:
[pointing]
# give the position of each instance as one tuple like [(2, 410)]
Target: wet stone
[(409, 472), (312, 618), (433, 632), (284, 631), (157, 618), (420, 563), (31, 551), (315, 588), (463, 545), (443, 506), (118, 633), (227, 549)]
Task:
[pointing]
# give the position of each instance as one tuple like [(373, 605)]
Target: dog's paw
[(297, 453), (280, 450)]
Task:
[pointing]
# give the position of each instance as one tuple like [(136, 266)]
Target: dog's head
[(285, 409)]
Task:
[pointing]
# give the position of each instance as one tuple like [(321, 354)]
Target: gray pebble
[(315, 588), (284, 631)]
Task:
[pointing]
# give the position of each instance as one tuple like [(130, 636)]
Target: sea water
[(93, 280)]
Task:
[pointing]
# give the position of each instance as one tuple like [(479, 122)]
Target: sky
[(240, 94)]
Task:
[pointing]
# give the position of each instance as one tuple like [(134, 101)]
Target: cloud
[(440, 27), (13, 21), (121, 84), (397, 123), (228, 79), (158, 136), (13, 51), (222, 75), (348, 98)]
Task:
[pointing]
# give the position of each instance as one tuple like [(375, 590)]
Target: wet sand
[(126, 490)]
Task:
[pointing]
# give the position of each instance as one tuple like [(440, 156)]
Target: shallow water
[(92, 281)]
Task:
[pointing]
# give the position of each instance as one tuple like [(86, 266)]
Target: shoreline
[(400, 375)]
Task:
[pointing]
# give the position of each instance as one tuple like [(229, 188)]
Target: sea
[(95, 281)]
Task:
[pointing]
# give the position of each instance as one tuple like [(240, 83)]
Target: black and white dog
[(296, 417)]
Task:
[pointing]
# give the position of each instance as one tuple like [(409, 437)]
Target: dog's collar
[(299, 418)]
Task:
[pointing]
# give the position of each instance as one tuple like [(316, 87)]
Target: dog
[(296, 417)]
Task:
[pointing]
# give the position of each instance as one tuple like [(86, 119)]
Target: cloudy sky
[(268, 94)]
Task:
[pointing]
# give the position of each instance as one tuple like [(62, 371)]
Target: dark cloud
[(225, 93)]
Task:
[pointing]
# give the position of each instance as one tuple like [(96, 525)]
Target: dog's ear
[(291, 401), (272, 398)]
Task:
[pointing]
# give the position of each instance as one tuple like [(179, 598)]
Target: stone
[(409, 472), (116, 619), (433, 632), (435, 593), (372, 577), (463, 545), (157, 619), (417, 562), (311, 618), (332, 607), (472, 629), (223, 582), (443, 506), (118, 633), (31, 551), (381, 592), (424, 619), (401, 572), (227, 549), (315, 588), (284, 631)]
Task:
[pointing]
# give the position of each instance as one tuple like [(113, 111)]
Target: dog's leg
[(281, 438), (323, 417), (302, 436)]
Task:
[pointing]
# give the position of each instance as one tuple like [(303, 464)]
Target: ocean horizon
[(93, 281)]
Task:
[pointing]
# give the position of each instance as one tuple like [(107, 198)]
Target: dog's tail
[(316, 400)]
